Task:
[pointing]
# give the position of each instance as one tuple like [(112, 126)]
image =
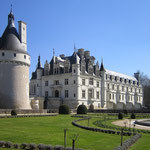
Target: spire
[(53, 52), (75, 49), (39, 66), (102, 66), (11, 8), (11, 18)]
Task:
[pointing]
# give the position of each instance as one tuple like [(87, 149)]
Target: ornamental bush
[(120, 116), (14, 113), (64, 109), (81, 109), (133, 116)]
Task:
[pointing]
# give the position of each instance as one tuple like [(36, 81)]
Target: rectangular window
[(108, 86), (139, 91), (91, 81), (97, 93), (110, 96), (3, 54), (131, 89), (97, 84), (113, 87), (122, 97), (74, 81), (24, 56), (118, 87), (122, 88), (90, 93), (83, 93), (127, 89), (46, 83), (119, 97), (66, 94), (46, 93), (14, 54), (66, 81), (113, 97), (83, 81), (66, 69), (56, 82)]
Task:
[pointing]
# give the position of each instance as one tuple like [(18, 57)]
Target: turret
[(137, 76), (46, 68), (39, 69)]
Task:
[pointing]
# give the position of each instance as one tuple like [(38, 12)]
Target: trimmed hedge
[(14, 113), (133, 116), (64, 109), (81, 109), (120, 116)]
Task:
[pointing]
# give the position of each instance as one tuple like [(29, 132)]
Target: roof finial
[(75, 47), (53, 52), (102, 60), (11, 8)]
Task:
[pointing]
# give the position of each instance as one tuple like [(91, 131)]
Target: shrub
[(2, 143), (133, 116), (58, 147), (24, 146), (32, 146), (16, 146), (64, 109), (120, 116), (8, 145), (48, 147), (14, 113), (81, 109), (41, 146)]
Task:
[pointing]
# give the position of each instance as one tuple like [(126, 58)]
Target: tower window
[(74, 71), (66, 94), (74, 81), (14, 54), (83, 81), (24, 56), (46, 83), (66, 81), (3, 54)]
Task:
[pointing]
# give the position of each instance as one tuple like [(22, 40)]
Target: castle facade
[(76, 79)]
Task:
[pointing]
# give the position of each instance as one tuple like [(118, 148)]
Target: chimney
[(23, 33)]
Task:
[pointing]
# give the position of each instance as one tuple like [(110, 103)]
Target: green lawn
[(49, 130)]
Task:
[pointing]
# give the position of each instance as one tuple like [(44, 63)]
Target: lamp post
[(121, 136), (65, 141), (134, 128), (125, 123)]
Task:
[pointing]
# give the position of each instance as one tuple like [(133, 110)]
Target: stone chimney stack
[(23, 33)]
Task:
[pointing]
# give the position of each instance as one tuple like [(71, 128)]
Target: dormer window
[(3, 54)]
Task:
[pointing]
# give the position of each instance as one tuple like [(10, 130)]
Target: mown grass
[(49, 130)]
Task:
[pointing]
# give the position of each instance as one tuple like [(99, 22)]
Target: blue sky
[(117, 30)]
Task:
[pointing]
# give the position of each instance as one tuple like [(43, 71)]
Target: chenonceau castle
[(76, 79), (71, 80)]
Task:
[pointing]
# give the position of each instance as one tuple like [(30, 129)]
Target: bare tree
[(145, 81)]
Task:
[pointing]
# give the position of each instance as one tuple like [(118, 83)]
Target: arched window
[(56, 93)]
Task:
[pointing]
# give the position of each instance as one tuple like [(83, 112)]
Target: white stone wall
[(14, 86)]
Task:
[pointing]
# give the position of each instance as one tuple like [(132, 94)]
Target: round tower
[(14, 67)]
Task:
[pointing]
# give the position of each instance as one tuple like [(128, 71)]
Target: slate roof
[(10, 39)]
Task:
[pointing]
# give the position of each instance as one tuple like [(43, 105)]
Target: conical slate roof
[(10, 39)]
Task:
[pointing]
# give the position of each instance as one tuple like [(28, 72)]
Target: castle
[(14, 67), (76, 79), (71, 80)]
